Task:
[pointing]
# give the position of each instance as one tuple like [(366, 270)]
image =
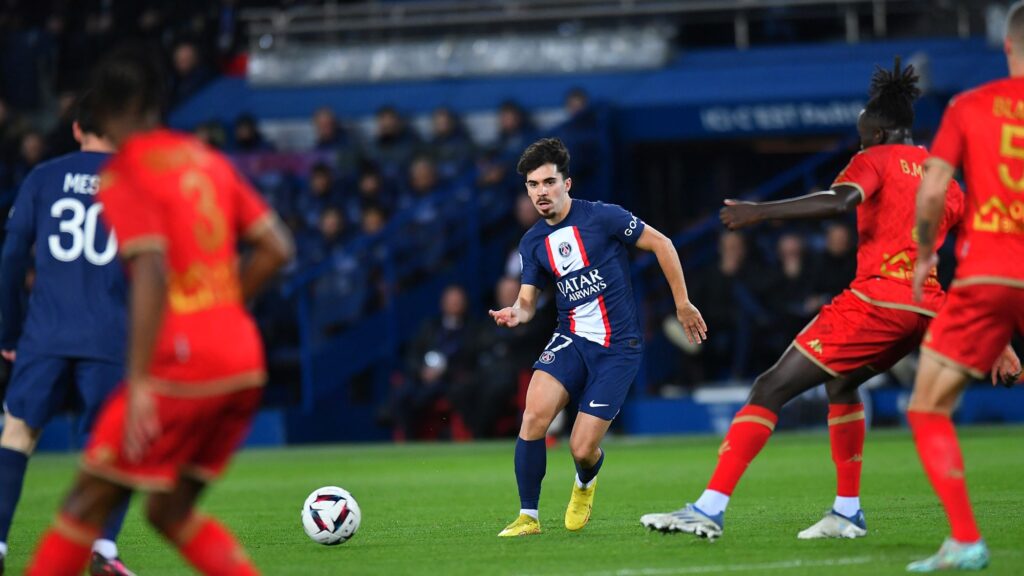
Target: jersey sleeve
[(620, 223), (252, 215), (949, 140), (862, 173), (132, 211), (22, 218), (955, 205), (532, 273)]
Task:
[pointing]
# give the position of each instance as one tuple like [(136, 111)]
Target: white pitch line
[(717, 568)]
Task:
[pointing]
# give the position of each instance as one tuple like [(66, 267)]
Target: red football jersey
[(168, 192), (983, 131), (887, 177)]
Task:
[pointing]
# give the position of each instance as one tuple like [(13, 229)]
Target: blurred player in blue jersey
[(597, 347), (71, 346)]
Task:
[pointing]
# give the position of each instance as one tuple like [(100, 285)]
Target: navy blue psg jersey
[(586, 255), (76, 307)]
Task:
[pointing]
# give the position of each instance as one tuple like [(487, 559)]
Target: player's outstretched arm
[(272, 249), (146, 303), (15, 264), (931, 203), (840, 200), (687, 314), (521, 312)]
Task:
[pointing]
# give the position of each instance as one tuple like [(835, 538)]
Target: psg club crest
[(564, 249), (547, 356)]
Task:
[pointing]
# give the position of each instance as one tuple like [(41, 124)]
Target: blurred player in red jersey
[(195, 361), (983, 131), (864, 330)]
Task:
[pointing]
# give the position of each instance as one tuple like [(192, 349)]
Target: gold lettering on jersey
[(1008, 148), (203, 286), (1003, 107), (996, 216), (912, 168), (901, 267), (167, 159)]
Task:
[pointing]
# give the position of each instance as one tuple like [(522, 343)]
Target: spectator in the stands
[(371, 190), (331, 233), (789, 291), (729, 294), (836, 266), (247, 135), (451, 147), (440, 356), (332, 136), (581, 134), (422, 243), (515, 132), (211, 133), (501, 356), (497, 186), (30, 153), (190, 72), (320, 194), (526, 216), (394, 144)]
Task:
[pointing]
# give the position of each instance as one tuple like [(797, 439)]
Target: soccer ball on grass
[(330, 515)]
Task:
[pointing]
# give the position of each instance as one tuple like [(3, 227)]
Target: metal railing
[(443, 16)]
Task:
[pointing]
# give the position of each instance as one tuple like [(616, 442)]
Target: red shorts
[(198, 436), (975, 325), (850, 333)]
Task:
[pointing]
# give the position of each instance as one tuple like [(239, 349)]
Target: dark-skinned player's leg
[(846, 429), (792, 375), (65, 548), (203, 541)]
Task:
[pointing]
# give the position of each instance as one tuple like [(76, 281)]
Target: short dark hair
[(83, 114), (892, 96), (128, 81), (545, 151)]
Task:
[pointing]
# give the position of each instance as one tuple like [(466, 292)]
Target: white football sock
[(105, 548), (532, 513), (582, 485), (847, 505), (712, 502), (3, 548)]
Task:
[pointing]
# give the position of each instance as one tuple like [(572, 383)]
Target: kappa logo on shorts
[(565, 249), (547, 357), (815, 345)]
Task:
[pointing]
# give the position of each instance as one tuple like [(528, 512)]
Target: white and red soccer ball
[(330, 515)]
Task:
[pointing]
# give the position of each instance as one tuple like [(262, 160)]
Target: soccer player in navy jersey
[(595, 351), (72, 340)]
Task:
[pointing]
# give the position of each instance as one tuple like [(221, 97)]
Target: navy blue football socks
[(587, 474), (12, 473), (531, 464)]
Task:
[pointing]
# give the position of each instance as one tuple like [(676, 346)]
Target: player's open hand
[(922, 269), (693, 323), (508, 317), (1007, 369), (142, 425), (739, 214)]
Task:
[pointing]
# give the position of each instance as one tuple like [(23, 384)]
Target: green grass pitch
[(436, 509)]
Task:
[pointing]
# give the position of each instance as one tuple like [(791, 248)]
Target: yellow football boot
[(523, 526), (582, 501)]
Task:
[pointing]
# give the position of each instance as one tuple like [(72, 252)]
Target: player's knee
[(583, 450), (842, 392), (768, 392), (18, 435), (160, 515), (535, 425)]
